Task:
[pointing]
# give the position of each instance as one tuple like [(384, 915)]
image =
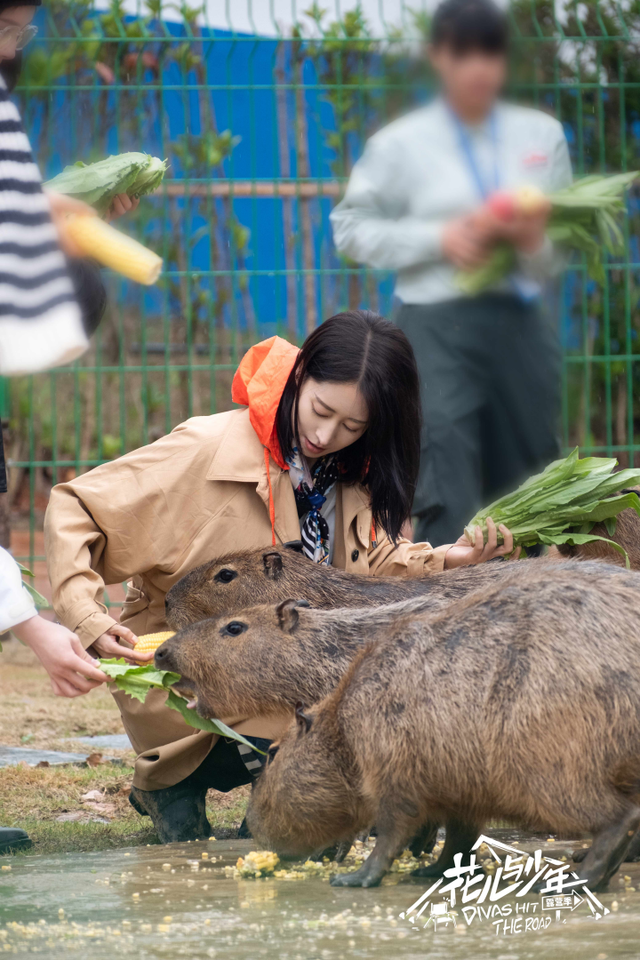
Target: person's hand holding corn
[(120, 641)]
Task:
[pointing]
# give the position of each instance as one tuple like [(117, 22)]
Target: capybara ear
[(303, 719), (288, 615), (272, 564), (294, 545)]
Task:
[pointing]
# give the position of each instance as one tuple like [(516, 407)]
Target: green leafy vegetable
[(36, 596), (584, 217), (138, 680), (563, 503), (135, 174)]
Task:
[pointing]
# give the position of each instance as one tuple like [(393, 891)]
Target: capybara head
[(273, 574), (237, 581), (265, 658), (310, 769)]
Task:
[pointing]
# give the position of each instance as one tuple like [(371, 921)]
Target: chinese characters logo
[(490, 897)]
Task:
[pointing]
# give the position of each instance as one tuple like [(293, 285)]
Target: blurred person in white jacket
[(489, 365)]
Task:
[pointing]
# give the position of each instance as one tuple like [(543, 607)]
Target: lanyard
[(468, 152)]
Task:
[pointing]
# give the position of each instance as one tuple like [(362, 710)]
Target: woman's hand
[(110, 645), (122, 203), (71, 669), (462, 553), (61, 206)]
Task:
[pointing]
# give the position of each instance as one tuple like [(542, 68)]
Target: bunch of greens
[(563, 503), (584, 217), (135, 174), (137, 681)]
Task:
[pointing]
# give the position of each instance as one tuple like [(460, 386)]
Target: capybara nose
[(167, 604), (161, 657)]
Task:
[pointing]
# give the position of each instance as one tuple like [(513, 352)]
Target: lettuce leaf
[(137, 681), (563, 503)]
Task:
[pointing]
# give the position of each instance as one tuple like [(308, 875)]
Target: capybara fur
[(273, 574), (264, 659), (270, 575), (521, 702)]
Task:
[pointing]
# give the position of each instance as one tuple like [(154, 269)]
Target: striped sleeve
[(40, 322)]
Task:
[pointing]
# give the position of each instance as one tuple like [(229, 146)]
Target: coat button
[(355, 555)]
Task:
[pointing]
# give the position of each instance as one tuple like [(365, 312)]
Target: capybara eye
[(271, 752), (225, 575), (234, 629)]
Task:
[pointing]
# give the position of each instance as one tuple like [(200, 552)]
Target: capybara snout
[(234, 664)]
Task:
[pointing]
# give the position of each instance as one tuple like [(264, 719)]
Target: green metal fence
[(261, 132)]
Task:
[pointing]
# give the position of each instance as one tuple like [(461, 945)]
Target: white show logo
[(483, 895)]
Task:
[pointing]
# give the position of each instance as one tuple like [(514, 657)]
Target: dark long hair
[(362, 347), (469, 26)]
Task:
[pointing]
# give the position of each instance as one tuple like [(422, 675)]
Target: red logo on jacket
[(535, 160)]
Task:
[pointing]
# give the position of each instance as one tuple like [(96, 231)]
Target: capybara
[(272, 574), (521, 702)]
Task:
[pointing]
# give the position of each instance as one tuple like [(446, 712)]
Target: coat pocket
[(136, 601)]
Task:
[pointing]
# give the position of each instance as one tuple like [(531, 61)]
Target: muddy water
[(161, 903)]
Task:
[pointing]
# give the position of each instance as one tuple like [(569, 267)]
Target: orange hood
[(259, 383)]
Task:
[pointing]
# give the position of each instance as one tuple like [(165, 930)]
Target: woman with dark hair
[(325, 448)]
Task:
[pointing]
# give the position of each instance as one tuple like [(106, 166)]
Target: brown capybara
[(521, 703), (270, 575)]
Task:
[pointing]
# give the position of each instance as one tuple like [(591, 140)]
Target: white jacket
[(16, 604), (414, 177)]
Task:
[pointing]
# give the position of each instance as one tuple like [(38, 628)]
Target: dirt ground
[(74, 807)]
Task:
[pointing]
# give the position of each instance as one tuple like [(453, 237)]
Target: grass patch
[(51, 803)]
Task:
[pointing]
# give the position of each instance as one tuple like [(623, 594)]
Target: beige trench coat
[(156, 513)]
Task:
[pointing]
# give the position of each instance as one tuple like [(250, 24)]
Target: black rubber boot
[(12, 838), (179, 812), (243, 831)]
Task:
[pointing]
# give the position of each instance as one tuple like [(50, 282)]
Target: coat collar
[(240, 455), (240, 459)]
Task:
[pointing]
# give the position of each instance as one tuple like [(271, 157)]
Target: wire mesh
[(261, 108)]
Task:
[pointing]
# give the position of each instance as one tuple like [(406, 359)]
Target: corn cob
[(258, 863), (113, 249), (151, 641)]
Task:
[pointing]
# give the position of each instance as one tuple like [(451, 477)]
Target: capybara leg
[(460, 838), (608, 850), (633, 853), (337, 852), (632, 856), (394, 830), (425, 840)]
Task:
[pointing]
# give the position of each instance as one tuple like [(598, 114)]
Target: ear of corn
[(151, 641), (258, 863), (113, 249)]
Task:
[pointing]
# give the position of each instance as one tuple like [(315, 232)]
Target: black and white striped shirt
[(40, 322)]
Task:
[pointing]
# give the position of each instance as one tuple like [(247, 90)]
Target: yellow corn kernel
[(113, 249), (151, 641)]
